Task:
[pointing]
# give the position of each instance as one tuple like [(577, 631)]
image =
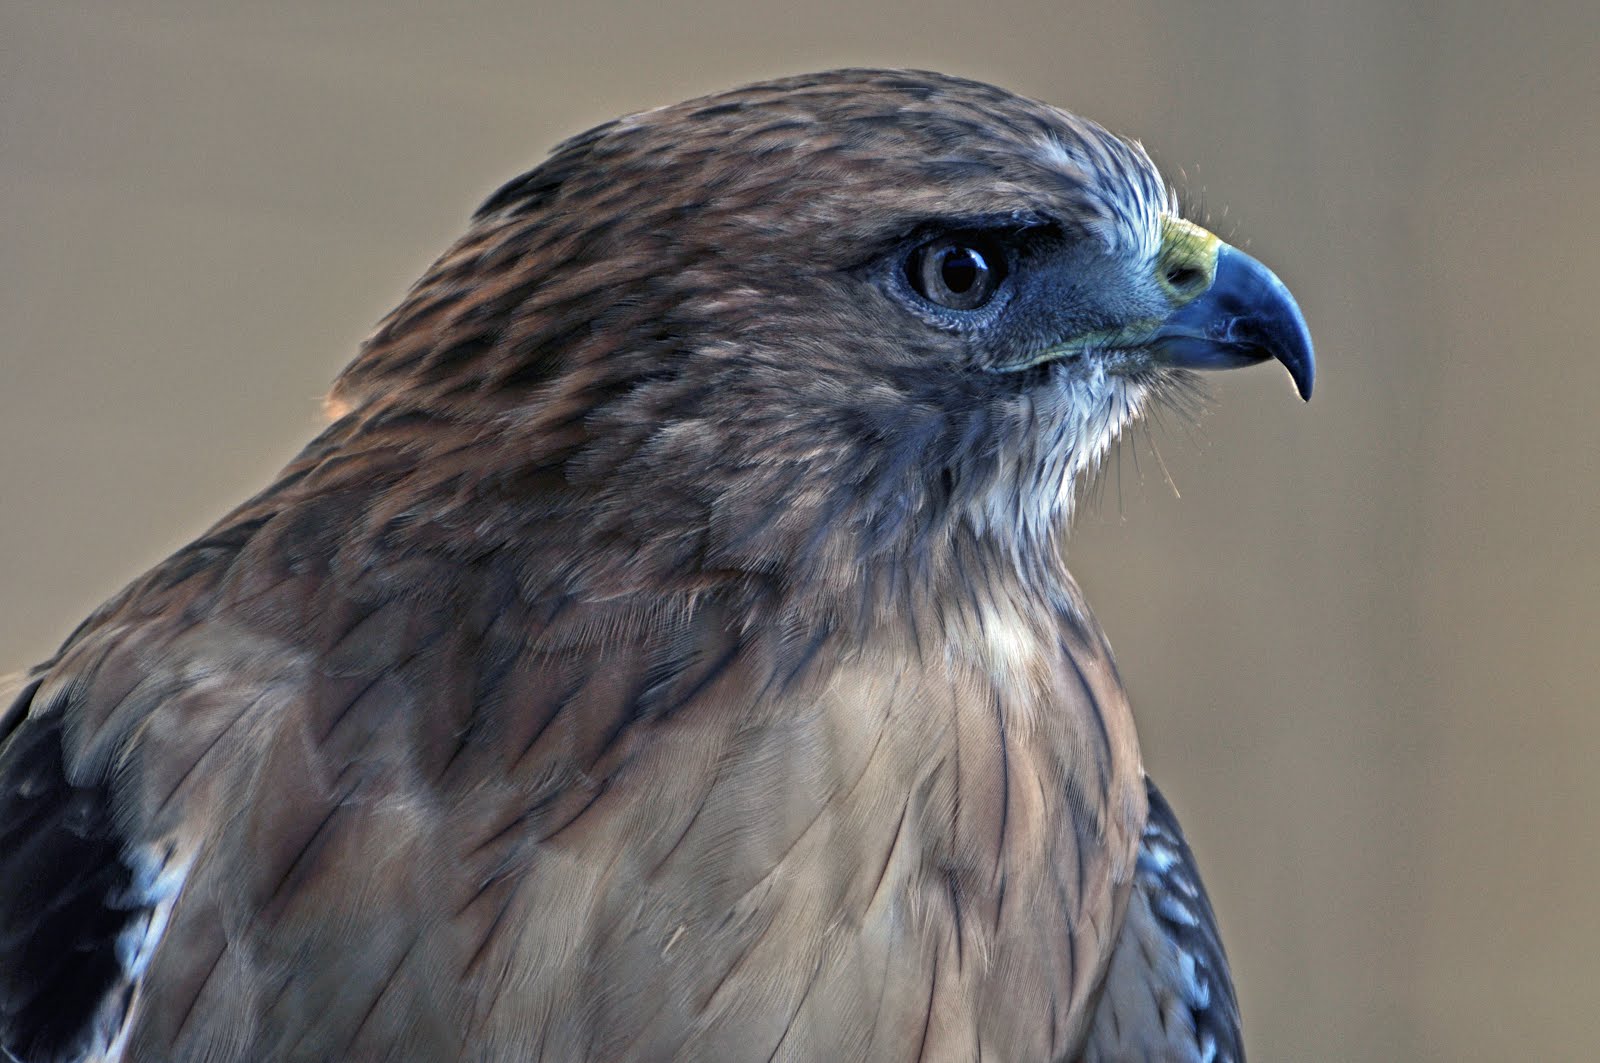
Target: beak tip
[(1302, 368), (1296, 355)]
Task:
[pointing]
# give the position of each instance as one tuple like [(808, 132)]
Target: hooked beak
[(1227, 310), (1244, 316)]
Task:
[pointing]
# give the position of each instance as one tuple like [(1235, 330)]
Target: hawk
[(667, 652)]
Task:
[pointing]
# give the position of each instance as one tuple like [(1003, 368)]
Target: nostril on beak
[(1185, 279)]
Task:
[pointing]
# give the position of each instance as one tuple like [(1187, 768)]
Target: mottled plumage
[(1168, 994), (667, 651)]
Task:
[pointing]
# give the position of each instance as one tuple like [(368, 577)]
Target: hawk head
[(816, 322)]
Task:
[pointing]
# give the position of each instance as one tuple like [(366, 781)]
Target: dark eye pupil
[(955, 274), (961, 269)]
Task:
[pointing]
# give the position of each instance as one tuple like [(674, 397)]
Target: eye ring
[(956, 272)]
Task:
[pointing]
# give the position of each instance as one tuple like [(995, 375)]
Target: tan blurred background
[(1363, 643)]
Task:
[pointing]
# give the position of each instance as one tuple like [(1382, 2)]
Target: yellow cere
[(1188, 261)]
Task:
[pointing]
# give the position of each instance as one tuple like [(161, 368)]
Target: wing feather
[(1168, 995)]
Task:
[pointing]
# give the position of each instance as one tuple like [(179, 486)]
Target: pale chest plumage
[(920, 849), (921, 857)]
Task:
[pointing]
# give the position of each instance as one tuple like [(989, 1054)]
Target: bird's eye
[(957, 273)]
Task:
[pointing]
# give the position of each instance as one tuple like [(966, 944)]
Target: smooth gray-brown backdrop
[(1362, 643)]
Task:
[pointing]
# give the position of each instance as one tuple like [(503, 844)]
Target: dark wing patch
[(64, 893), (1169, 875), (1168, 995)]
